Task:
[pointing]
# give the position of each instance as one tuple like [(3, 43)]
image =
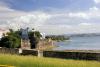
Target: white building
[(43, 36), (0, 35), (25, 33)]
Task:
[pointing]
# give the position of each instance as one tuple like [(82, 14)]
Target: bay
[(79, 43)]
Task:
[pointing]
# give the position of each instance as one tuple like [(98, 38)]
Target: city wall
[(10, 50), (45, 43), (65, 54), (25, 43), (73, 54)]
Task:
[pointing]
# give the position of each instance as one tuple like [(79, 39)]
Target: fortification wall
[(66, 54), (10, 50), (30, 52), (34, 52), (45, 43), (72, 55), (25, 44)]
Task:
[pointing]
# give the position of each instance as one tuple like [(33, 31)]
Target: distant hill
[(82, 35)]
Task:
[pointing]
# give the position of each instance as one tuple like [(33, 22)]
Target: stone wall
[(25, 44), (72, 55), (38, 53), (45, 43), (30, 52), (10, 50), (66, 54)]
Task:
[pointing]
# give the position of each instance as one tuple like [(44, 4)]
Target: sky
[(52, 17)]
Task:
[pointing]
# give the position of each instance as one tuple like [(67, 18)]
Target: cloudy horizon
[(53, 17)]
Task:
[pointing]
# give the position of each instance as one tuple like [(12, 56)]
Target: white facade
[(0, 35), (43, 36), (25, 33)]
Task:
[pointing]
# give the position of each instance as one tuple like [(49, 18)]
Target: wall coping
[(79, 51)]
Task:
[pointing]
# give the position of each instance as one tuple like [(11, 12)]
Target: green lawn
[(33, 61)]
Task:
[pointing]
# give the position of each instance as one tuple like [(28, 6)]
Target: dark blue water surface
[(79, 43)]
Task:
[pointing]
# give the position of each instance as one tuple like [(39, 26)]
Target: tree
[(58, 38), (20, 28), (3, 34), (37, 33), (10, 42), (11, 32), (18, 32), (27, 28), (30, 34), (32, 28)]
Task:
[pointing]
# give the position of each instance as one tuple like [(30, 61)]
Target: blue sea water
[(79, 43)]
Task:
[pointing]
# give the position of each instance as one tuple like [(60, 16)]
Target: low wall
[(10, 50), (30, 52), (66, 54), (72, 55), (38, 53)]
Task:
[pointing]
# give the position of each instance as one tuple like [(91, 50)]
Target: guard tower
[(34, 41)]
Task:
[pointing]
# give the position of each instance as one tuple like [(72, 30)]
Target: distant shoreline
[(59, 40)]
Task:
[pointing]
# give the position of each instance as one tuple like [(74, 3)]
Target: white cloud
[(96, 1), (65, 26), (81, 15), (6, 12), (14, 18), (32, 18), (84, 24), (4, 7), (94, 13), (27, 21), (93, 9)]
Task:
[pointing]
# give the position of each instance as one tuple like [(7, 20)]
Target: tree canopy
[(37, 33), (10, 41), (57, 37)]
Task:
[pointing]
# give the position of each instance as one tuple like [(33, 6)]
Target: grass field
[(33, 61)]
